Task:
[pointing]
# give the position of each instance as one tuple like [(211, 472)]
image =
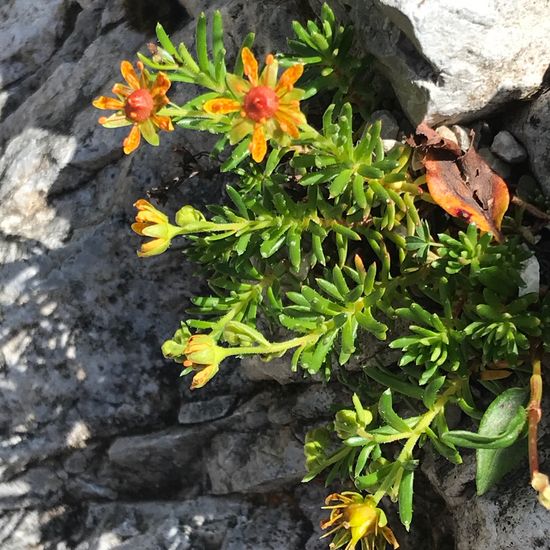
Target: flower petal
[(114, 121), (258, 146), (287, 124), (163, 122), (203, 376), (154, 247), (149, 132), (250, 65), (161, 85), (221, 106), (103, 102), (240, 129), (238, 86), (289, 77), (269, 74), (121, 90), (131, 143), (139, 227), (129, 75)]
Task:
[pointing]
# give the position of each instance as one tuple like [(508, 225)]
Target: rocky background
[(102, 445)]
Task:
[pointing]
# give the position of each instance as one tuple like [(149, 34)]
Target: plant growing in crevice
[(327, 235)]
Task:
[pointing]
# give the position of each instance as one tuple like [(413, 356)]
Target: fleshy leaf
[(493, 464)]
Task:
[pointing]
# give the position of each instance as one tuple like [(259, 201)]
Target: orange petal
[(139, 227), (161, 86), (289, 77), (222, 106), (129, 75), (122, 90), (287, 124), (250, 65), (142, 204), (131, 143), (258, 146), (144, 77), (104, 102), (163, 122), (203, 376)]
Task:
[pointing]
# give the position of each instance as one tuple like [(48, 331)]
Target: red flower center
[(261, 103), (139, 105)]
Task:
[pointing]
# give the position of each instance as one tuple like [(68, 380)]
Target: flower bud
[(187, 215), (346, 423)]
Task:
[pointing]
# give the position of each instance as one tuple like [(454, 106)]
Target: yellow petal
[(250, 65), (240, 129), (111, 103), (258, 147), (149, 132), (129, 75), (222, 106), (238, 86), (114, 121), (131, 143), (289, 77), (153, 248), (269, 74)]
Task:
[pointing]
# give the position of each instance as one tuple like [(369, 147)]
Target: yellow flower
[(355, 519), (203, 356), (151, 222), (263, 106), (137, 105)]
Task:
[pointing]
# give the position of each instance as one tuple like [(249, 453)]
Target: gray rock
[(248, 462), (204, 411), (531, 125), (506, 146), (454, 61), (496, 164), (390, 127)]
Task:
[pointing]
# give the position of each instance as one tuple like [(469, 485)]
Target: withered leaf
[(463, 184)]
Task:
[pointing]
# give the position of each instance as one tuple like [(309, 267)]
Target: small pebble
[(390, 128), (506, 146), (530, 274), (462, 135), (446, 133), (389, 144), (498, 165)]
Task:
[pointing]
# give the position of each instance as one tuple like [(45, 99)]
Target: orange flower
[(203, 356), (356, 520), (151, 222), (137, 105), (263, 107)]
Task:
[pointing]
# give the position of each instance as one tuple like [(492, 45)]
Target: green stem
[(413, 437), (274, 347)]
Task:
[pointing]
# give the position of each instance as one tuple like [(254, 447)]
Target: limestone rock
[(507, 148), (531, 125), (454, 61)]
